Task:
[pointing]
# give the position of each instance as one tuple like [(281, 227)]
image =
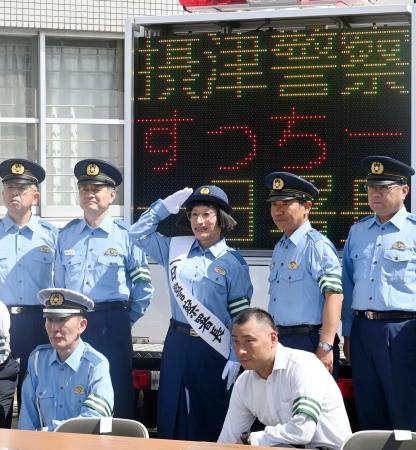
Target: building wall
[(62, 90), (80, 15)]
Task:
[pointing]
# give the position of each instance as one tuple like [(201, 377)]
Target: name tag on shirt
[(69, 252)]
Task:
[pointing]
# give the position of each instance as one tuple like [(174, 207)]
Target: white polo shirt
[(4, 333), (299, 403)]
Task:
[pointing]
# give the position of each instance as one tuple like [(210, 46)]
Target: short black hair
[(259, 314), (225, 221)]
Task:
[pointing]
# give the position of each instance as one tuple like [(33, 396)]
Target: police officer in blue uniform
[(27, 253), (305, 292), (379, 311), (95, 257), (66, 378), (209, 285)]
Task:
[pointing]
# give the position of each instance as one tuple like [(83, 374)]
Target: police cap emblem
[(92, 170), (278, 184), (18, 169), (377, 168), (56, 299), (204, 191)]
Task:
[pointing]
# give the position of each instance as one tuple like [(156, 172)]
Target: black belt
[(182, 328), (108, 306), (25, 309), (297, 329), (385, 315)]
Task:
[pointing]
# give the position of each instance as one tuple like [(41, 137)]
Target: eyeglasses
[(204, 216), (381, 189), (18, 188)]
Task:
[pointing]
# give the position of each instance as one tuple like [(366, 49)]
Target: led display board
[(228, 109)]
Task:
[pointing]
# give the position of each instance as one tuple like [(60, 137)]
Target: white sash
[(201, 319)]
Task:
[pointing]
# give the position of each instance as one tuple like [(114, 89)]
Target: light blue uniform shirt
[(217, 276), (379, 266), (103, 264), (26, 260), (79, 386), (304, 267)]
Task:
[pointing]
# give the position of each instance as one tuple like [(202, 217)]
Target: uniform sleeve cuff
[(256, 437)]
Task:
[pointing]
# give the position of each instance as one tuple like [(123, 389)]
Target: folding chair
[(91, 425), (377, 440)]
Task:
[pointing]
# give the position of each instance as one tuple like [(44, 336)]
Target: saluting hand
[(174, 201)]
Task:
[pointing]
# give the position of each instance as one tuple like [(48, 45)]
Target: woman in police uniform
[(209, 285)]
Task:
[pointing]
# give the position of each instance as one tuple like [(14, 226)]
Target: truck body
[(227, 97)]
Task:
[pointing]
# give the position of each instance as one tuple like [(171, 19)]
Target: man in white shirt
[(288, 390), (9, 369)]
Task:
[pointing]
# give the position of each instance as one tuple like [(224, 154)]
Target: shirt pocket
[(362, 261), (108, 269), (47, 406), (73, 275), (399, 266), (292, 276), (43, 257), (3, 265)]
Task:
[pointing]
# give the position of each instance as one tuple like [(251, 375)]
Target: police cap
[(209, 194), (22, 171), (59, 302), (286, 186), (97, 171), (386, 170)]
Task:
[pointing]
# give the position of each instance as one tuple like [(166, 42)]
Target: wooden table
[(37, 440)]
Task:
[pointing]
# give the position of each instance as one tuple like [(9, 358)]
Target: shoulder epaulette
[(122, 224), (41, 347), (365, 218), (315, 235), (92, 355), (48, 225), (71, 223), (238, 257), (412, 217)]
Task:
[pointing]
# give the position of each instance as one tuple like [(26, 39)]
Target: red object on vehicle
[(193, 3), (346, 388), (141, 379)]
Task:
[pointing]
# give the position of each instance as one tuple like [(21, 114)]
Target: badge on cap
[(18, 169), (45, 249), (399, 245), (377, 168), (111, 252), (204, 191), (219, 270), (278, 184), (293, 265), (56, 299), (92, 170), (79, 389)]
